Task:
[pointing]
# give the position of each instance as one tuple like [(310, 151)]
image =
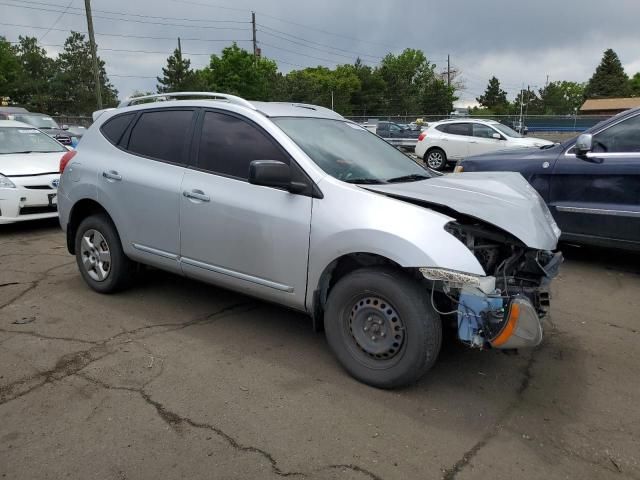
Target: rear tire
[(436, 159), (99, 255), (382, 328)]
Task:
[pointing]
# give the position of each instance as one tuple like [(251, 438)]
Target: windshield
[(26, 140), (349, 152), (509, 132), (37, 121)]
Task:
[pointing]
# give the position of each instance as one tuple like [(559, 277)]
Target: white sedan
[(451, 140), (29, 173)]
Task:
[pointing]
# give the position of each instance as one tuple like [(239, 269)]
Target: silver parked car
[(296, 205)]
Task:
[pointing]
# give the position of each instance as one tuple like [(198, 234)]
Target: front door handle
[(196, 195), (112, 175)]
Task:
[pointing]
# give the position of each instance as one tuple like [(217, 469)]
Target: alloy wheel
[(96, 255)]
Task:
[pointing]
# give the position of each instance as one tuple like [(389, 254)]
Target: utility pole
[(179, 49), (331, 99), (92, 41), (521, 105), (255, 42), (448, 71)]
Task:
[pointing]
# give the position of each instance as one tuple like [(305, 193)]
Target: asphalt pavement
[(177, 379)]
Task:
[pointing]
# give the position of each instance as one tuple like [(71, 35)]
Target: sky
[(521, 43)]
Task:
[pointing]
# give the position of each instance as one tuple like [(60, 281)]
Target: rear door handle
[(196, 195), (112, 175)]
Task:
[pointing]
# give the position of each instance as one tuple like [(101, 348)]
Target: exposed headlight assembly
[(459, 279), (6, 182)]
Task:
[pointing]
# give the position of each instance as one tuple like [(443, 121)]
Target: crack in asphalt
[(175, 421), (49, 337), (34, 284), (72, 363), (456, 468)]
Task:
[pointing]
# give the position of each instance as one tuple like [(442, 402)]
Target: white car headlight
[(6, 183), (459, 279)]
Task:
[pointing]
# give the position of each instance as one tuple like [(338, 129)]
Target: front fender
[(407, 234)]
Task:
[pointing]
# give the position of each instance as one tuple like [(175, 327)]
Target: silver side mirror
[(497, 136), (584, 144)]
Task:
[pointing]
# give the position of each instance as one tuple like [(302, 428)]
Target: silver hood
[(503, 199)]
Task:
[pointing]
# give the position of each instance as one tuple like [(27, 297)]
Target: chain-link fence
[(72, 120), (533, 123)]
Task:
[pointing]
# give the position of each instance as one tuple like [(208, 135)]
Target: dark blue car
[(591, 183)]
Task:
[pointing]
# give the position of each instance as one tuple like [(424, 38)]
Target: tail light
[(66, 158), (421, 136)]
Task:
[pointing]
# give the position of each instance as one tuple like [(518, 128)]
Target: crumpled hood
[(503, 199), (30, 163)]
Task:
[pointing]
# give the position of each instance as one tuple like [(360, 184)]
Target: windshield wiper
[(24, 151), (364, 181), (414, 177)]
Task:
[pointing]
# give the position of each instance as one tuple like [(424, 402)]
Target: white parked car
[(29, 172), (448, 141)]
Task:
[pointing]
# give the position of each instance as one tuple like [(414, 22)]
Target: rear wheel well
[(431, 149), (336, 270), (80, 211)]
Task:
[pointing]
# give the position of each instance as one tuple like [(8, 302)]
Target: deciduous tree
[(73, 86)]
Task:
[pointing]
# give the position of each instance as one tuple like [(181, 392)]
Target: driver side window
[(623, 137), (483, 131)]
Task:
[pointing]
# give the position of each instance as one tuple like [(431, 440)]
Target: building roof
[(610, 104)]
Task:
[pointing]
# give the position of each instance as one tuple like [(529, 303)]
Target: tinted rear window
[(161, 134), (115, 127)]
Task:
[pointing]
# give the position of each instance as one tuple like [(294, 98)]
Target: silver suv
[(296, 205)]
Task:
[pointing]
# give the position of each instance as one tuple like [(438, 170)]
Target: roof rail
[(163, 97)]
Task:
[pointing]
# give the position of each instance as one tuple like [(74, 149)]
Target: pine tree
[(177, 75), (609, 79), (494, 97)]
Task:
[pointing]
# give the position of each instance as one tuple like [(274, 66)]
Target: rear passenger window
[(229, 144), (115, 127), (161, 134), (459, 129)]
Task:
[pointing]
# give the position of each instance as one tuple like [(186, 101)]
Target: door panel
[(246, 237), (600, 195), (483, 142), (143, 193), (456, 140), (594, 199)]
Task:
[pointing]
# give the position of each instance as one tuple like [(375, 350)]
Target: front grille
[(63, 139), (36, 210), (39, 187)]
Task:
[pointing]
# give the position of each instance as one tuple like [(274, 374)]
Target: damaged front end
[(505, 308)]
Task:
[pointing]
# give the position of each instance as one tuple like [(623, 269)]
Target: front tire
[(436, 159), (99, 255), (382, 328)]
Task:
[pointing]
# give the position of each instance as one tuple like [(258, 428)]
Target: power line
[(56, 21), (111, 12), (129, 36), (350, 57), (298, 53), (314, 43), (307, 27), (134, 21)]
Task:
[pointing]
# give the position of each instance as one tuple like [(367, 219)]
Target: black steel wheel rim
[(376, 329)]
